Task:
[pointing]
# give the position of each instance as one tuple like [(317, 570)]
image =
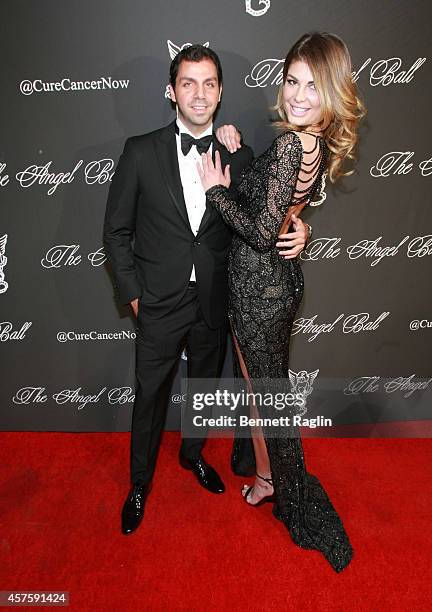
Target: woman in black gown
[(320, 111)]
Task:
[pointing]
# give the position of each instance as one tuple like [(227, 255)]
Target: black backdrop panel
[(78, 78)]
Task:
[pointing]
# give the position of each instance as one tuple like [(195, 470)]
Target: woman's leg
[(261, 488)]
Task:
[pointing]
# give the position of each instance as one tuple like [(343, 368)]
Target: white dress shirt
[(193, 190)]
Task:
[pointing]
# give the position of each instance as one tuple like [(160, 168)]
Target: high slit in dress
[(265, 291)]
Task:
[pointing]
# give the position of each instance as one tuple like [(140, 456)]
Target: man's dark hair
[(194, 53)]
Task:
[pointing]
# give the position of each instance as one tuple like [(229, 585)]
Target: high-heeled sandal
[(263, 500)]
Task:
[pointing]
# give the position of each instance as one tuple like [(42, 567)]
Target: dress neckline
[(321, 141), (311, 133)]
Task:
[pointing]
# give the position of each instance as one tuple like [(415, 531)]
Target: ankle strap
[(267, 480)]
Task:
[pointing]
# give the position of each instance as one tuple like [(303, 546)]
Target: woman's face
[(301, 101)]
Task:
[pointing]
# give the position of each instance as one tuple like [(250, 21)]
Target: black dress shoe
[(206, 475), (133, 509)]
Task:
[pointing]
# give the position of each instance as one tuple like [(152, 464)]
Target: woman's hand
[(211, 174), (230, 137)]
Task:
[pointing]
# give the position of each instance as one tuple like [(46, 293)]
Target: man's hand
[(230, 137), (296, 240), (134, 306), (211, 174)]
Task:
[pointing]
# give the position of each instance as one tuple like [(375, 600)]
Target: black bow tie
[(202, 144)]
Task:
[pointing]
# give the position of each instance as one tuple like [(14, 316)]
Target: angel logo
[(260, 12), (173, 50), (301, 383), (3, 261)]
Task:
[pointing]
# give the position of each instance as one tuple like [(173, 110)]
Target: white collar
[(183, 129)]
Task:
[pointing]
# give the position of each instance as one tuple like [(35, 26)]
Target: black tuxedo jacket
[(147, 236)]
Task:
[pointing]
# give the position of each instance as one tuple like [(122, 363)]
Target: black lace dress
[(265, 293)]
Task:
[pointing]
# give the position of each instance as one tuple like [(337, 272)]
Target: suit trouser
[(159, 343)]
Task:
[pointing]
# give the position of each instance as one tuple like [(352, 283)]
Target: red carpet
[(60, 501)]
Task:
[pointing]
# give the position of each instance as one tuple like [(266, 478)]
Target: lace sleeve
[(259, 225)]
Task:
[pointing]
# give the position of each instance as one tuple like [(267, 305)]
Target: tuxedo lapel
[(217, 146), (166, 148)]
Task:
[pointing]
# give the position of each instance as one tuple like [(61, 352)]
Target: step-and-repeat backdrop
[(78, 78)]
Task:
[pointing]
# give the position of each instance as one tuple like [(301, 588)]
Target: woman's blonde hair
[(330, 63)]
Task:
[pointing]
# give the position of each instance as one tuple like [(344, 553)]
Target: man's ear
[(220, 93), (172, 93)]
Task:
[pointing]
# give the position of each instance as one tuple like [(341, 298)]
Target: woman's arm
[(260, 230)]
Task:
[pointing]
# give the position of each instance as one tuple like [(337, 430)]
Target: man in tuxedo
[(175, 275), (168, 252)]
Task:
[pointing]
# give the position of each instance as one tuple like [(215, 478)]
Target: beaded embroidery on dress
[(265, 293)]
